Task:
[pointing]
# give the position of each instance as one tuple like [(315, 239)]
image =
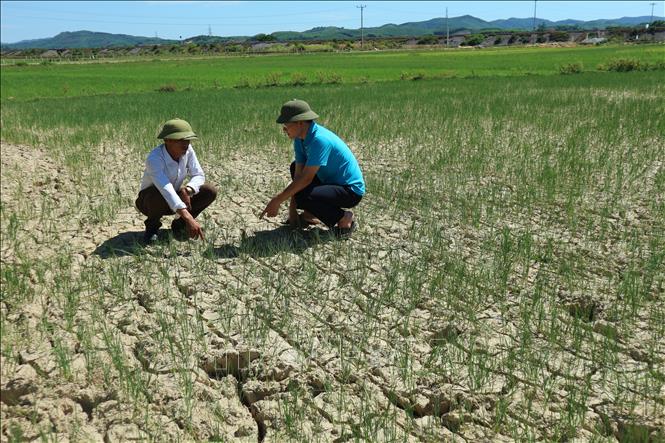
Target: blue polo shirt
[(337, 164)]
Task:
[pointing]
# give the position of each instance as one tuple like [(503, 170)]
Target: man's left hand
[(272, 208), (186, 199)]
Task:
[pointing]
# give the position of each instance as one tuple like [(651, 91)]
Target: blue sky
[(22, 20)]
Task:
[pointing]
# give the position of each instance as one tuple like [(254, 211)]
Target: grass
[(507, 279), (43, 81)]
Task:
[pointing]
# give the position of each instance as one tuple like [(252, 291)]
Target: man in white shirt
[(162, 192)]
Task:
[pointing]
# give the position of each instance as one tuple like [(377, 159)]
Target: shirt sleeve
[(163, 184), (197, 177), (299, 152), (318, 153)]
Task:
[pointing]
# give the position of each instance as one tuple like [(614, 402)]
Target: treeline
[(267, 43)]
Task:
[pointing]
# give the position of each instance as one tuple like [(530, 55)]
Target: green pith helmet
[(296, 111), (177, 129)]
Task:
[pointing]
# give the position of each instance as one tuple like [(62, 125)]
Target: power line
[(447, 29), (362, 36)]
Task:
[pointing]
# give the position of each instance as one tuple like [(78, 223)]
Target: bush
[(243, 83), (329, 78), (559, 37), (631, 64), (570, 68), (167, 88), (272, 79), (473, 40), (497, 41), (412, 76), (428, 40), (623, 65), (265, 37), (298, 79), (233, 48)]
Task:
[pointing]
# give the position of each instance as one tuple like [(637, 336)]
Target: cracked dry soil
[(263, 334)]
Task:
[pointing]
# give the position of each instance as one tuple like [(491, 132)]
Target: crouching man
[(162, 191), (326, 177)]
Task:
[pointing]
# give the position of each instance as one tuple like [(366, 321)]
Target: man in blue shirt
[(326, 175)]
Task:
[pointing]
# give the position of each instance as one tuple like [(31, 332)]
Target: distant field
[(507, 281), (26, 82)]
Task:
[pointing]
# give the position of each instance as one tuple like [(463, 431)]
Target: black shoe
[(150, 236), (345, 232)]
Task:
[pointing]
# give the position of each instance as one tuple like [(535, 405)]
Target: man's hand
[(186, 199), (194, 229), (272, 208)]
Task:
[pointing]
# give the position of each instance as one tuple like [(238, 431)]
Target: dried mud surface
[(262, 334)]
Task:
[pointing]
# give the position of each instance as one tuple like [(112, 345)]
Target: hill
[(87, 39), (435, 26)]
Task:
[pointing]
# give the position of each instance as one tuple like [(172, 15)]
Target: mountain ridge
[(434, 26)]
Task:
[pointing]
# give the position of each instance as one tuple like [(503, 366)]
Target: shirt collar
[(310, 133), (166, 154)]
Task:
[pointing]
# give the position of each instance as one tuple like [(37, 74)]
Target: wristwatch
[(189, 190)]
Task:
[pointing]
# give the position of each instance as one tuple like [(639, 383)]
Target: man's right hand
[(194, 229)]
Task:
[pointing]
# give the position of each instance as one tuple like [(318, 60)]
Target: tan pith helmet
[(177, 129), (296, 111)]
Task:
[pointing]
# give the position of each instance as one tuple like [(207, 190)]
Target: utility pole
[(209, 31), (652, 5), (362, 36), (447, 29), (534, 14)]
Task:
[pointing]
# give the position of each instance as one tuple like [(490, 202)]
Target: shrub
[(167, 88), (329, 78), (265, 37), (298, 79), (334, 78), (272, 79), (233, 48), (473, 40), (497, 41), (412, 76), (623, 65), (428, 40), (243, 83), (559, 36), (570, 68)]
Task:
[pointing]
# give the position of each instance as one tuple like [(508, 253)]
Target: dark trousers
[(151, 204), (325, 202)]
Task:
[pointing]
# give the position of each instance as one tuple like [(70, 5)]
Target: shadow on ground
[(125, 243), (270, 242)]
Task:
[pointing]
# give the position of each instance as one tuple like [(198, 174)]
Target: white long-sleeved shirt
[(168, 175)]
